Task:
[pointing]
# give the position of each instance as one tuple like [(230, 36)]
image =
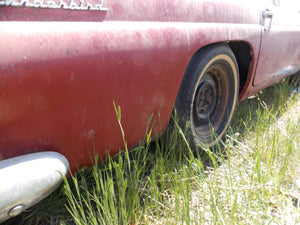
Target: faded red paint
[(58, 80)]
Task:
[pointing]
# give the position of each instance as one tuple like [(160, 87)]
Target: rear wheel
[(208, 95)]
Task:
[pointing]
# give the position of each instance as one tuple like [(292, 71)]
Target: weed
[(253, 177)]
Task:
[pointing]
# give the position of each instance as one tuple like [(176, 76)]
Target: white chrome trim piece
[(27, 179)]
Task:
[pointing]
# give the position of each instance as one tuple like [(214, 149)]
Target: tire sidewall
[(199, 64)]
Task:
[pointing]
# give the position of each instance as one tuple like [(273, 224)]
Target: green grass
[(253, 177)]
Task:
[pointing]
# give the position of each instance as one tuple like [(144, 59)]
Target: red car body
[(64, 63)]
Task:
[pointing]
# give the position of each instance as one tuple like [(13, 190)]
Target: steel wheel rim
[(211, 122)]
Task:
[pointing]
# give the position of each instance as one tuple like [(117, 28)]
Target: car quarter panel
[(59, 81)]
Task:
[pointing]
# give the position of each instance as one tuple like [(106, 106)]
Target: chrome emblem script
[(50, 4)]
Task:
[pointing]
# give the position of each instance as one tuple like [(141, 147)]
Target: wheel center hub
[(205, 98)]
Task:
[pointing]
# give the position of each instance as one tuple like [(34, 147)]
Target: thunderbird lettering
[(53, 5)]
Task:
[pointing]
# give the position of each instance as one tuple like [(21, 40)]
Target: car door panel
[(280, 52)]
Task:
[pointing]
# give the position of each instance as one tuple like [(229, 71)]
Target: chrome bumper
[(27, 179)]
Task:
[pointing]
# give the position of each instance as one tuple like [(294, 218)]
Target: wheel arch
[(243, 54)]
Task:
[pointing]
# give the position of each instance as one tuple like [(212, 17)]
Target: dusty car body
[(64, 63)]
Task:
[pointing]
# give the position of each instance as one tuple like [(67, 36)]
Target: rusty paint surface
[(58, 80)]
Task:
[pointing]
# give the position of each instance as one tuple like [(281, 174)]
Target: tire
[(208, 95)]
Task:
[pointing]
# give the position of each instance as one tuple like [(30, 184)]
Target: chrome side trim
[(27, 179)]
